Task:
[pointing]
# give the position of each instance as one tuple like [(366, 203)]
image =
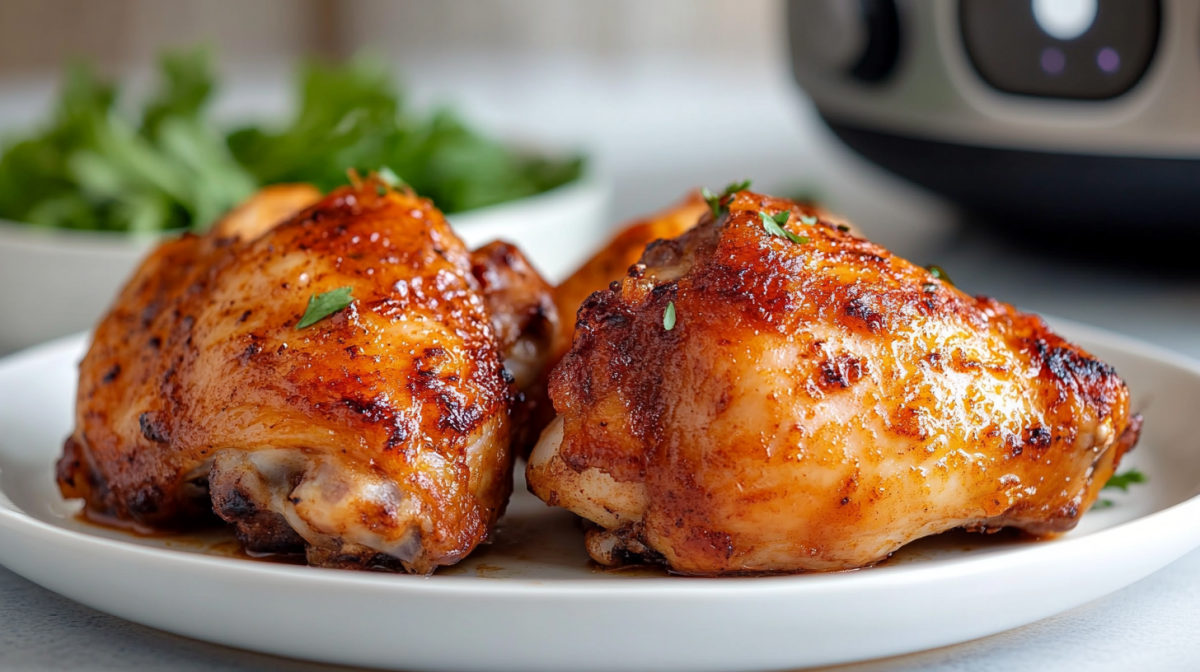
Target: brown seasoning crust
[(815, 406)]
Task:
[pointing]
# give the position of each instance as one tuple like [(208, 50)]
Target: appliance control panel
[(1082, 49)]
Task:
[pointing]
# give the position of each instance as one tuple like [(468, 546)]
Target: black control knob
[(858, 38)]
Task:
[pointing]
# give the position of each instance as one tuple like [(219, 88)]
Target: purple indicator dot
[(1053, 60), (1109, 60)]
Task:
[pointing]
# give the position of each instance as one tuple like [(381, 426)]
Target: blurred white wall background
[(37, 35)]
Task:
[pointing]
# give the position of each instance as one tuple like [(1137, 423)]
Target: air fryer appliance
[(1052, 116)]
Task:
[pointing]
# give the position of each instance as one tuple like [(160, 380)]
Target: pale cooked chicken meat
[(814, 405), (377, 437)]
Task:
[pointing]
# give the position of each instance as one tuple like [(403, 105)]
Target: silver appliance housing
[(1022, 161)]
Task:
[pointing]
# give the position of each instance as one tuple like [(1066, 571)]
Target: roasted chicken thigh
[(769, 392), (378, 436)]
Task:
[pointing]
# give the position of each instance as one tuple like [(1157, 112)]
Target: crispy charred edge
[(619, 336), (625, 547), (1074, 373), (135, 335), (352, 556), (611, 262), (259, 530), (1066, 364), (603, 268), (621, 547), (77, 476), (147, 508), (1078, 374)]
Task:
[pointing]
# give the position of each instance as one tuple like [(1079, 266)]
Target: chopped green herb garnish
[(1123, 481), (734, 187), (929, 288), (389, 177), (808, 220), (843, 228), (715, 201), (669, 316), (781, 218), (321, 306), (772, 226), (937, 272)]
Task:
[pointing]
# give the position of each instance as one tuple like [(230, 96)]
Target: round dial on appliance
[(858, 38)]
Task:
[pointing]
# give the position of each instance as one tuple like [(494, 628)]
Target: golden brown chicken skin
[(814, 406), (602, 269), (622, 251), (607, 265), (377, 437)]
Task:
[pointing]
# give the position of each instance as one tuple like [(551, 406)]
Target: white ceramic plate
[(532, 601), (78, 272)]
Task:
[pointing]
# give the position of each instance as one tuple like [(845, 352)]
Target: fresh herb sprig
[(939, 273), (669, 316), (321, 306), (773, 224), (1122, 481), (389, 177), (716, 203)]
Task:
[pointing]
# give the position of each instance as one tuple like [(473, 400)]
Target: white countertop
[(658, 129)]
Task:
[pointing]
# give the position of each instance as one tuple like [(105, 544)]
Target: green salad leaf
[(352, 116), (97, 166), (93, 167)]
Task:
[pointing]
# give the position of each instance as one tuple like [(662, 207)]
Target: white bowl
[(55, 282)]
